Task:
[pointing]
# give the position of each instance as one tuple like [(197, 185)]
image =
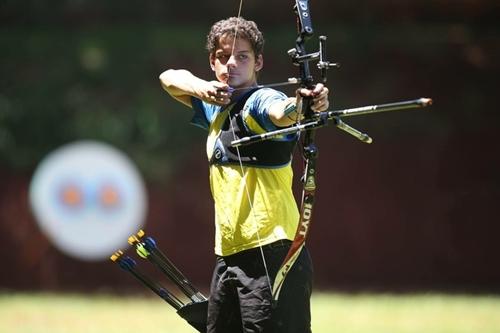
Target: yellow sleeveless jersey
[(253, 205)]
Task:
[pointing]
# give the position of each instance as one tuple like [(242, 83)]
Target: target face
[(88, 198)]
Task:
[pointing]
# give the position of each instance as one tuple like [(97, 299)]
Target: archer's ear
[(211, 59), (259, 62)]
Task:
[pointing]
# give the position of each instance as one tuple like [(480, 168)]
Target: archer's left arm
[(288, 111)]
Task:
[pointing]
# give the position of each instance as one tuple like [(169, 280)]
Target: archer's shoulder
[(264, 95), (207, 110)]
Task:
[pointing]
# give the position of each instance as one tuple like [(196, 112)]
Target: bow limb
[(301, 58)]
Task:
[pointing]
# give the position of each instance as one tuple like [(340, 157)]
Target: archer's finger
[(321, 105), (322, 95), (304, 92), (221, 101), (318, 89), (221, 86)]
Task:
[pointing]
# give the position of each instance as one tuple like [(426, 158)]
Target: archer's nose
[(231, 62)]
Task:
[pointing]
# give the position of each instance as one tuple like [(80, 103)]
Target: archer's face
[(238, 68)]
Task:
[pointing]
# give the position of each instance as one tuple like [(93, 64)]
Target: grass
[(343, 313), (430, 313)]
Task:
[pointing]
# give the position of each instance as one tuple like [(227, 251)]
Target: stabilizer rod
[(322, 118)]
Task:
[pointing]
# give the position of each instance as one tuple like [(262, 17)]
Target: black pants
[(241, 300)]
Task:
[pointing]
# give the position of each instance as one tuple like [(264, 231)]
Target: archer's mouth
[(227, 77)]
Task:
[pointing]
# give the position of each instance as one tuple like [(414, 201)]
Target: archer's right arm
[(182, 85)]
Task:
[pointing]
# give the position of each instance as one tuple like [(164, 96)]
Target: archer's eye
[(223, 58)]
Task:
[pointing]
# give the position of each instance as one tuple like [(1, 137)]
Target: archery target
[(88, 198)]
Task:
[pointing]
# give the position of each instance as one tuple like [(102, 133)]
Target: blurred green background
[(416, 210)]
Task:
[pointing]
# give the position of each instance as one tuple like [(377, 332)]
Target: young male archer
[(256, 215)]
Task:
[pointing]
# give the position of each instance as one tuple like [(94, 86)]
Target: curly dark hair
[(246, 29)]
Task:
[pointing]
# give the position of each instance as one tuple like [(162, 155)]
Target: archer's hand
[(319, 96), (215, 92)]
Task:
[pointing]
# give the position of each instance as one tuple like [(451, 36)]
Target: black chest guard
[(269, 153)]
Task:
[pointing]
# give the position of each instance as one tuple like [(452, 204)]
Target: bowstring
[(242, 167)]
